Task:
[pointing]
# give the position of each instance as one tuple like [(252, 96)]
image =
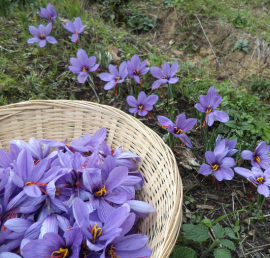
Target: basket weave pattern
[(62, 118)]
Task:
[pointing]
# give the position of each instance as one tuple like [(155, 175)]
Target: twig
[(214, 51), (259, 233)]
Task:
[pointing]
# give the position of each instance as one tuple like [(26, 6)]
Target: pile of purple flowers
[(77, 200)]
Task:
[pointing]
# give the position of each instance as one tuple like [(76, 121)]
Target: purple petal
[(54, 240), (37, 248), (32, 40), (173, 80), (189, 124), (246, 154), (159, 82), (142, 252), (25, 163), (110, 85), (70, 27), (42, 43), (73, 237), (106, 77), (262, 149), (5, 158), (206, 169), (81, 212), (199, 107), (174, 69), (74, 38), (32, 191), (156, 72), (135, 60), (49, 225), (38, 171), (104, 210), (78, 23), (51, 10), (142, 113), (166, 69), (9, 255), (148, 107), (123, 70), (18, 224), (210, 157), (82, 29), (76, 63), (141, 206), (82, 56), (131, 242), (82, 77), (215, 102), (223, 173), (74, 69), (243, 172), (93, 68), (48, 28), (132, 101), (113, 70), (221, 116), (116, 178), (227, 162), (34, 31), (99, 136), (141, 98), (91, 61), (164, 121), (180, 120), (133, 110), (44, 13), (211, 118), (151, 100), (264, 190)]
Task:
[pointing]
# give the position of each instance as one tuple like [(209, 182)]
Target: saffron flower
[(53, 245), (143, 105), (208, 104), (178, 129), (259, 158), (82, 65), (76, 28), (258, 177), (165, 75), (136, 68), (229, 145), (48, 13), (41, 35), (114, 77), (219, 164)]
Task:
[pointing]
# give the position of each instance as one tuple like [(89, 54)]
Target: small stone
[(205, 207), (177, 52), (247, 221), (251, 232), (240, 193), (258, 255)]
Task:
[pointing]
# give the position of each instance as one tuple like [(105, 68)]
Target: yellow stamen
[(209, 110), (112, 253), (178, 131), (141, 107), (57, 191), (118, 78), (62, 253), (76, 31), (164, 77), (257, 158), (137, 72), (259, 179), (96, 232), (42, 36), (84, 69), (101, 192), (215, 167)]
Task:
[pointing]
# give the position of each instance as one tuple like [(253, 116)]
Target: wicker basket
[(59, 119)]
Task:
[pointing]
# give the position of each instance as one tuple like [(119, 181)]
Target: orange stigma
[(136, 72), (164, 77), (38, 184), (42, 36), (118, 78), (76, 31)]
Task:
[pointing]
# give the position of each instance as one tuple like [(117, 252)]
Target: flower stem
[(90, 81)]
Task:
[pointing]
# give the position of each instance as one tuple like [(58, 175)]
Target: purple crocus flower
[(181, 126), (53, 245), (259, 158), (229, 145), (95, 231), (49, 13), (136, 68), (76, 28), (114, 77), (82, 64), (41, 35), (220, 166), (124, 245), (208, 104), (258, 177), (165, 75), (143, 105)]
